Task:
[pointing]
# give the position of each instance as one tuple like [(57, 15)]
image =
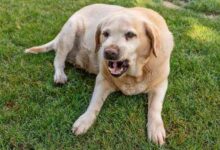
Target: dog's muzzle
[(111, 54), (115, 66)]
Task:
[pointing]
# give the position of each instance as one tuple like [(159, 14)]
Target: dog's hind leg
[(65, 44), (59, 65)]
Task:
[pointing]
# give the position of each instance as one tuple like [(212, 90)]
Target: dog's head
[(125, 43)]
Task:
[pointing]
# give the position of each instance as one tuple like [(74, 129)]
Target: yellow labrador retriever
[(128, 48)]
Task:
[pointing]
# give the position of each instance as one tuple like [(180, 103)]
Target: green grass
[(205, 6), (34, 113), (211, 6)]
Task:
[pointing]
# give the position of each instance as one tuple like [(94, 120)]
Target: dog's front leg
[(156, 131), (101, 91)]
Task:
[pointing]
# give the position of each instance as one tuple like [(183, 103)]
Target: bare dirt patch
[(181, 6), (171, 5)]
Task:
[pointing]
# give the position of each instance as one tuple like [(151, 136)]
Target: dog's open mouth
[(117, 68)]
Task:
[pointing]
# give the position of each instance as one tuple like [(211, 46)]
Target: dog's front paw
[(83, 123), (60, 78), (156, 132)]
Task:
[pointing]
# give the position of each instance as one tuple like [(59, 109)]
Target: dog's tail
[(42, 48)]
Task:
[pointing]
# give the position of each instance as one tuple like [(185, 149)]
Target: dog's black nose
[(111, 54)]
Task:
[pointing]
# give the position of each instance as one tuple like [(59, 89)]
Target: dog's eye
[(105, 34), (130, 35)]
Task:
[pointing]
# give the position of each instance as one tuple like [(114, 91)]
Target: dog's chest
[(131, 87)]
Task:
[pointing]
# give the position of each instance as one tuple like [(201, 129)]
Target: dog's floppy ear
[(97, 37), (153, 34)]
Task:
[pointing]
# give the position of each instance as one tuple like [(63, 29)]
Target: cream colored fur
[(81, 43)]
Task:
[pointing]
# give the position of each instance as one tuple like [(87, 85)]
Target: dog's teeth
[(117, 67), (114, 64)]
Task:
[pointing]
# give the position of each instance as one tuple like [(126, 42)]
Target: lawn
[(36, 114)]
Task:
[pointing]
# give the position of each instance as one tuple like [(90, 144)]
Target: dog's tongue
[(115, 69)]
